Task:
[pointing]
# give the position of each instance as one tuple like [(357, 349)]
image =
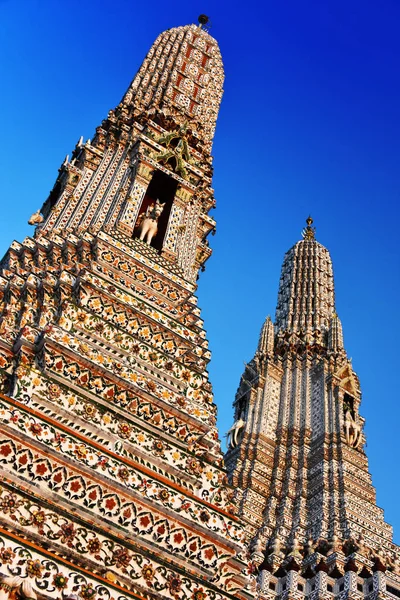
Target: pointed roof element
[(180, 79), (308, 232), (266, 341), (335, 334), (306, 297)]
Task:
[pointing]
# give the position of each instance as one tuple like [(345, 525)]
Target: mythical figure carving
[(149, 225), (181, 151), (275, 548), (352, 430), (36, 219), (13, 588), (295, 549), (235, 433)]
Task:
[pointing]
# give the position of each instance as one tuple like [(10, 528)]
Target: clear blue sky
[(310, 123)]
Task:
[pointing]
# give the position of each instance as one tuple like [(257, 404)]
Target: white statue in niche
[(14, 587), (149, 225), (352, 430), (235, 433)]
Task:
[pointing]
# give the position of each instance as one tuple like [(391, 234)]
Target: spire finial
[(308, 232), (203, 21)]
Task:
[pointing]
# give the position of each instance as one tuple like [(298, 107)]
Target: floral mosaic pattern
[(185, 313), (103, 550), (110, 391), (135, 303), (163, 287), (133, 350), (132, 436), (140, 407), (127, 368), (43, 469), (125, 245), (52, 577)]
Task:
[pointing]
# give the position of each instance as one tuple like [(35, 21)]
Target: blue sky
[(309, 123)]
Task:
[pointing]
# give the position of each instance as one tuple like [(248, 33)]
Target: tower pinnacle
[(266, 340), (306, 298), (308, 232), (155, 146), (203, 20)]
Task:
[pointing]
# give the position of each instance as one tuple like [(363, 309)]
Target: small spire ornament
[(308, 232), (203, 21)]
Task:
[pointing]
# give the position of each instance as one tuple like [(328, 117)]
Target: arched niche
[(348, 404), (161, 187)]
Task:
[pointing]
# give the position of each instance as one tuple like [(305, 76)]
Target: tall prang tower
[(296, 450), (112, 483)]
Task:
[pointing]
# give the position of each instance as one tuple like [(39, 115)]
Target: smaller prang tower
[(296, 450)]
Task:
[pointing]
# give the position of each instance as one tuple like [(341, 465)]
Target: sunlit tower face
[(110, 452), (147, 172)]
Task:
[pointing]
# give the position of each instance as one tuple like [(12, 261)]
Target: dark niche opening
[(241, 406), (52, 198), (163, 188), (348, 404)]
